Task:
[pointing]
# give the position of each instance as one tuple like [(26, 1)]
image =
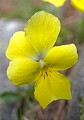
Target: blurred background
[(18, 103)]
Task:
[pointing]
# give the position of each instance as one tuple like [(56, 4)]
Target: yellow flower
[(57, 3), (33, 58), (79, 4)]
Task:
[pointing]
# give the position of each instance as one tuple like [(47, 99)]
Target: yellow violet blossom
[(57, 3), (33, 58), (79, 4)]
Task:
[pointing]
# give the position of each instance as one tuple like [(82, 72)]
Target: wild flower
[(78, 4), (34, 58)]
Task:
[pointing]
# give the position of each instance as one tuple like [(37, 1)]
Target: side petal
[(57, 3), (79, 4), (19, 47), (61, 57), (53, 86), (22, 71), (42, 31)]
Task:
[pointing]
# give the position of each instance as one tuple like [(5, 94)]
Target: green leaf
[(10, 97), (19, 113)]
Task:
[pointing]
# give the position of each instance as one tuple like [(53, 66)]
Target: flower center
[(42, 63)]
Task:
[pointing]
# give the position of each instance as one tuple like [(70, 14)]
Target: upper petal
[(79, 4), (19, 46), (42, 30), (23, 71), (53, 86), (61, 57), (57, 3)]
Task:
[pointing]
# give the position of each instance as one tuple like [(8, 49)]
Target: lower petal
[(22, 71), (60, 86), (51, 86), (43, 92)]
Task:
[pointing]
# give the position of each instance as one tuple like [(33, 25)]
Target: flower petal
[(61, 57), (57, 3), (22, 71), (42, 31), (53, 86), (19, 47), (79, 4)]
